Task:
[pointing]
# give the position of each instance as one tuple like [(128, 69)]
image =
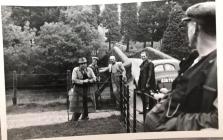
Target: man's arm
[(75, 80), (93, 77), (149, 70), (123, 70)]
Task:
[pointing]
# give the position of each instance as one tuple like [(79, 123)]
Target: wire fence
[(36, 81)]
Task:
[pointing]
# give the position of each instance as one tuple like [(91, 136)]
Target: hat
[(201, 12), (82, 60), (95, 58)]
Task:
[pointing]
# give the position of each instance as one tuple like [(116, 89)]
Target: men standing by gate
[(82, 77), (146, 82), (116, 69)]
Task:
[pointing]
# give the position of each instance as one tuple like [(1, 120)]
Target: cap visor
[(186, 19)]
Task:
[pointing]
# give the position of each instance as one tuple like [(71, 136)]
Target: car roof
[(163, 61)]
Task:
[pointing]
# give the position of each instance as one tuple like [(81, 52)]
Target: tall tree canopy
[(152, 21), (110, 20), (128, 22), (175, 42), (35, 15)]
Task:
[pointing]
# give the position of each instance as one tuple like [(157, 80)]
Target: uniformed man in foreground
[(82, 78), (192, 104)]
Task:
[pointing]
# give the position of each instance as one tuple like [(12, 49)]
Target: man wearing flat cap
[(192, 104), (82, 76), (94, 67)]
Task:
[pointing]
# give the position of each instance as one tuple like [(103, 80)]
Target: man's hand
[(164, 90), (85, 81), (124, 78), (147, 85), (159, 96)]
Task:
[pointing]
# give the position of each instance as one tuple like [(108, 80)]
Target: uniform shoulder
[(89, 68), (76, 68)]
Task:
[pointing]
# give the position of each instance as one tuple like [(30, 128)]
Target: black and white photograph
[(110, 68)]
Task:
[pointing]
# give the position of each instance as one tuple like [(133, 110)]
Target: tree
[(35, 15), (110, 18), (18, 49), (128, 21), (80, 14), (60, 46), (153, 17), (175, 42)]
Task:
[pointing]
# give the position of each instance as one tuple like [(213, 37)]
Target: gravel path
[(46, 118)]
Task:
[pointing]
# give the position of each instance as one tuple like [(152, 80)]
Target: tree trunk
[(152, 43), (127, 45), (144, 45), (109, 45)]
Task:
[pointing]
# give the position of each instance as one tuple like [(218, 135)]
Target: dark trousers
[(148, 102), (85, 101), (76, 115)]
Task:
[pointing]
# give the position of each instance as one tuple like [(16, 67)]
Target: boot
[(75, 117)]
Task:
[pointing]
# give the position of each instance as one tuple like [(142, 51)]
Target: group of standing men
[(85, 83), (192, 102)]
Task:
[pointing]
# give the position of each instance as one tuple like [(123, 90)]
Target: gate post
[(14, 98), (144, 106), (121, 96), (69, 83), (134, 111), (128, 114)]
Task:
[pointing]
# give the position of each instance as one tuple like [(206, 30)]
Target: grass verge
[(110, 125)]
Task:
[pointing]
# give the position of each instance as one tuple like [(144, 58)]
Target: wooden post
[(128, 114), (134, 111), (121, 96), (14, 98), (69, 83), (144, 106), (124, 105), (111, 88)]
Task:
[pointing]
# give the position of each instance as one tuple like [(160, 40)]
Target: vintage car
[(166, 70)]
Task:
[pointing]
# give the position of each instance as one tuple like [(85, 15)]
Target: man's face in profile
[(191, 30)]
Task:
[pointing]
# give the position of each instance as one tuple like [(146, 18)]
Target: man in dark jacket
[(192, 104), (146, 82)]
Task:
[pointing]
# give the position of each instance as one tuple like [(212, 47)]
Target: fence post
[(14, 98), (69, 83), (111, 88), (128, 115), (134, 111), (121, 96), (144, 107)]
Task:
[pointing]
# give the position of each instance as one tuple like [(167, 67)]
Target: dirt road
[(46, 118)]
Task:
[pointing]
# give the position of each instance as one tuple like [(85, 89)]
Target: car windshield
[(164, 67), (159, 68), (169, 67)]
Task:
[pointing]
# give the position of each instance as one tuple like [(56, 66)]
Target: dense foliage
[(50, 39), (128, 22), (175, 37), (110, 18)]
